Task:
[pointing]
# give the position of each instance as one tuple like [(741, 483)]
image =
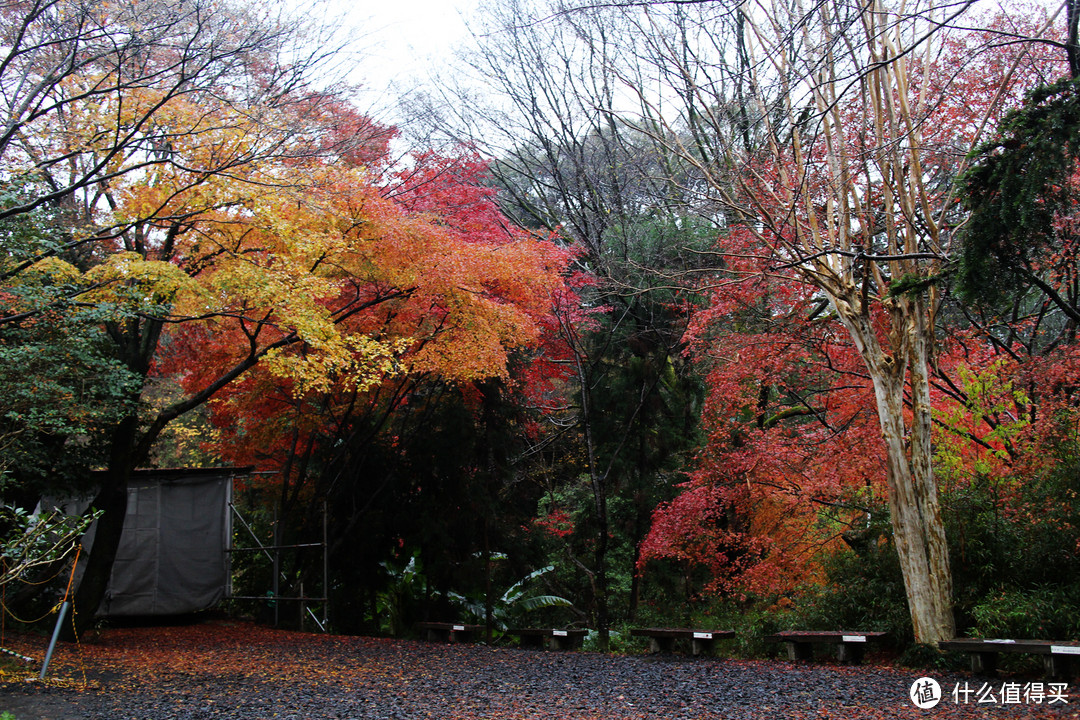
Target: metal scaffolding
[(273, 553)]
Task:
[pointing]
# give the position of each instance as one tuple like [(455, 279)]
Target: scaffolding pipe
[(275, 558), (325, 571), (55, 636)]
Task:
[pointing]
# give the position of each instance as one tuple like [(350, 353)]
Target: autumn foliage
[(787, 404), (732, 360), (793, 466), (422, 278)]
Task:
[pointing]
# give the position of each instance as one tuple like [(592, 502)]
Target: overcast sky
[(402, 39)]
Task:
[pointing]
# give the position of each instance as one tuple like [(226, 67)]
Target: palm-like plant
[(514, 602)]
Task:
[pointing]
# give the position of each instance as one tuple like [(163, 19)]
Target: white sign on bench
[(1065, 649)]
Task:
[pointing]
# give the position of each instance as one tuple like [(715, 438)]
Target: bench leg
[(1057, 667), (799, 651), (556, 642), (700, 646), (660, 644), (850, 653), (984, 663)]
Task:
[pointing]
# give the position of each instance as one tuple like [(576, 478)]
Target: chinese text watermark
[(926, 693)]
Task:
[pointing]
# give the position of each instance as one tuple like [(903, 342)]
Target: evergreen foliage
[(1016, 192), (63, 386)]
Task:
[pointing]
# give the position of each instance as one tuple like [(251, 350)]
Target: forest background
[(708, 314)]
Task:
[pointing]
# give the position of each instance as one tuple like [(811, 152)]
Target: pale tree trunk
[(915, 511), (931, 605), (856, 252)]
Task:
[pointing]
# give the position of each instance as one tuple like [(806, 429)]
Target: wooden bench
[(1058, 656), (663, 639), (552, 638), (449, 632), (850, 645)]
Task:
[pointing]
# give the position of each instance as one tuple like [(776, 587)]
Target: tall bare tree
[(833, 134)]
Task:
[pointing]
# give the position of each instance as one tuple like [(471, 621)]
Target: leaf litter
[(232, 670)]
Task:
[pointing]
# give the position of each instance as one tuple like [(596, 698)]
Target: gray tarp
[(173, 555)]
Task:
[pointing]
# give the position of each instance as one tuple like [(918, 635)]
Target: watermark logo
[(925, 693)]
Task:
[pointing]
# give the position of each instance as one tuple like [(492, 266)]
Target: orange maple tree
[(226, 213)]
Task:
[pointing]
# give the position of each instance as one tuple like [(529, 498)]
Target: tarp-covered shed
[(173, 554)]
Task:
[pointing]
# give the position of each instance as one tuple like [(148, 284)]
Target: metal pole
[(252, 534), (52, 643), (325, 570), (228, 539), (277, 565)]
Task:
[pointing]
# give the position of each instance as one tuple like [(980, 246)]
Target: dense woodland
[(743, 315)]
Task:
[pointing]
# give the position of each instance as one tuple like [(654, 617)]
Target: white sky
[(401, 39)]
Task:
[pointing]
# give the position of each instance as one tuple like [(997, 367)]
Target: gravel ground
[(236, 671)]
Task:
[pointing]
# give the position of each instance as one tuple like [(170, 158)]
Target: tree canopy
[(679, 308)]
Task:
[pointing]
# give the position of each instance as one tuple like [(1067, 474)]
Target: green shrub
[(1047, 612), (618, 642), (864, 591), (1016, 572), (751, 617), (513, 605), (928, 657)]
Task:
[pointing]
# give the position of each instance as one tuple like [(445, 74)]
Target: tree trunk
[(603, 621), (918, 530), (112, 500), (916, 522), (935, 622)]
